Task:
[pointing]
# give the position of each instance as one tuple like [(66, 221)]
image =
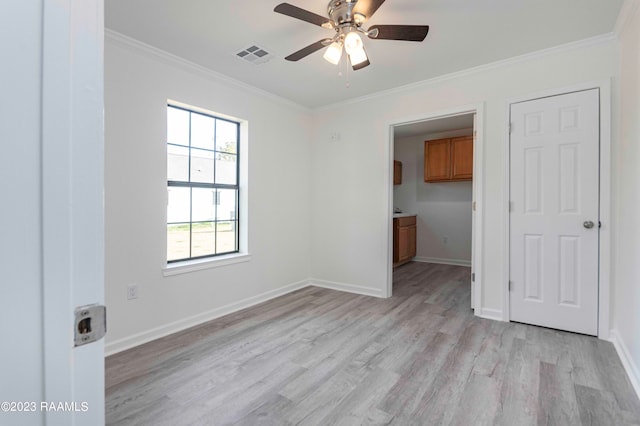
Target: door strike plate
[(90, 324)]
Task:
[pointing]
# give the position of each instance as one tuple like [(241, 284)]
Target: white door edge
[(73, 203)]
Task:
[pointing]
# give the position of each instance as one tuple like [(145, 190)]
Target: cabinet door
[(411, 241), (396, 241), (462, 158), (397, 172), (403, 246), (437, 160)]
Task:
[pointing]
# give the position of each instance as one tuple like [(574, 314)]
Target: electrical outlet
[(445, 240), (132, 291)]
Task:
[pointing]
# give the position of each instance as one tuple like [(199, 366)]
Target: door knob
[(588, 224)]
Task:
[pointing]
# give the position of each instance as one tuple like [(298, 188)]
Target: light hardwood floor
[(322, 357)]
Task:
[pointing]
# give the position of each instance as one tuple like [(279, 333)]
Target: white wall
[(138, 83), (443, 209), (21, 292), (626, 243), (350, 177)]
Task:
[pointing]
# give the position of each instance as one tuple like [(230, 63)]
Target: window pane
[(202, 131), (178, 207), (177, 126), (226, 237), (226, 136), (177, 163), (203, 207), (201, 166), (226, 168), (178, 241), (227, 208), (202, 150), (203, 239)]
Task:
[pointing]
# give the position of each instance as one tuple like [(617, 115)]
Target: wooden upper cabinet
[(437, 160), (462, 158), (448, 160), (397, 172)]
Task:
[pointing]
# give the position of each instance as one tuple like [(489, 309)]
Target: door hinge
[(473, 206), (510, 285), (599, 224), (473, 277), (510, 127), (511, 208), (90, 324)]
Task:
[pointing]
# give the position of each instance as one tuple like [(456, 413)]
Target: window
[(202, 185)]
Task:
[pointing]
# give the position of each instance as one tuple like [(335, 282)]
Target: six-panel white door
[(554, 204)]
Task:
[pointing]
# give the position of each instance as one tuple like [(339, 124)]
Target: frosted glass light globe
[(352, 42), (333, 53)]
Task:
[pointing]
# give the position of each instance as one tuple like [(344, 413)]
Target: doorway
[(554, 211), (447, 214)]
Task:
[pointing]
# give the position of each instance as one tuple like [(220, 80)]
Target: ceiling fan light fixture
[(352, 42), (333, 53), (357, 57)]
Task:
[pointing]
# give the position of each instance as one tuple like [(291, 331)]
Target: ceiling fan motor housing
[(341, 12)]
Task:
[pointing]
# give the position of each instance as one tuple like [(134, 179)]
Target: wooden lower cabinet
[(404, 239)]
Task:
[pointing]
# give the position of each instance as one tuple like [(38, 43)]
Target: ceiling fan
[(346, 17)]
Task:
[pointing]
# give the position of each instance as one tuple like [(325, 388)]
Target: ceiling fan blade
[(367, 7), (303, 15), (305, 51), (399, 32)]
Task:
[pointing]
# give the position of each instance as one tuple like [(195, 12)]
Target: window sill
[(201, 264)]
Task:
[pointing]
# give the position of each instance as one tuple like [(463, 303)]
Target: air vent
[(254, 54)]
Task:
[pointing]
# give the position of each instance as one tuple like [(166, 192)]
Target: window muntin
[(202, 185)]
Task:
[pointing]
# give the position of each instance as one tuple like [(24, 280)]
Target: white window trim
[(187, 266), (194, 265)]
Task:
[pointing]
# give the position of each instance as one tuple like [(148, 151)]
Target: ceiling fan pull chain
[(348, 83), (344, 63)]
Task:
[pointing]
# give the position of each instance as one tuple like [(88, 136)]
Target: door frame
[(604, 270), (478, 191)]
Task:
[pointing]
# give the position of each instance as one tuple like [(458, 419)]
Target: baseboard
[(349, 288), (492, 314), (454, 262), (162, 331), (627, 360)]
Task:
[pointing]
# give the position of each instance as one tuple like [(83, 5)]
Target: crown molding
[(580, 44), (136, 46), (628, 9)]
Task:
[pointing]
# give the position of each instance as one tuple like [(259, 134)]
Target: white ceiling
[(463, 34)]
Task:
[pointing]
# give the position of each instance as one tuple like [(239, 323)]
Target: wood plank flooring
[(322, 357)]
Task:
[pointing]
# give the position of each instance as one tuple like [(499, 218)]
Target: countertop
[(397, 215)]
